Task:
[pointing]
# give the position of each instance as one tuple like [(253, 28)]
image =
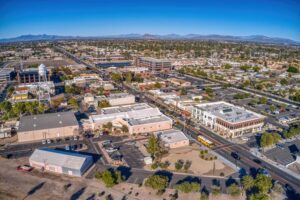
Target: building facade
[(227, 119), (62, 162), (153, 64), (47, 126)]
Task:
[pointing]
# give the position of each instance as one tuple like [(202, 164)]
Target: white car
[(44, 142), (111, 150), (48, 141)]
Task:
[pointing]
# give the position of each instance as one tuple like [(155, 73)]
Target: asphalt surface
[(246, 163)]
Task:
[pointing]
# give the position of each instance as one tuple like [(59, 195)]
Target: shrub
[(187, 165), (179, 165), (234, 190), (157, 182), (154, 165), (187, 187)]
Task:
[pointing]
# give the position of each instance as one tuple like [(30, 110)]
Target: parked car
[(235, 155), (24, 168), (44, 142), (111, 150), (48, 141)]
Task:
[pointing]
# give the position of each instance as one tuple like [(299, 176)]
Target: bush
[(164, 165), (187, 165), (157, 182), (233, 190), (216, 190), (154, 165), (110, 177), (204, 196), (187, 187), (179, 165)]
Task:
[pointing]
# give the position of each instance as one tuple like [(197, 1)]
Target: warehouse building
[(228, 120), (59, 161), (47, 126)]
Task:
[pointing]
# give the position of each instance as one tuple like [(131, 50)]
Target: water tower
[(42, 73)]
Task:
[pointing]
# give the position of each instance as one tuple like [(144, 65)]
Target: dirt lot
[(199, 166), (34, 185), (37, 185)]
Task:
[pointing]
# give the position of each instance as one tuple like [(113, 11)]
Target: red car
[(24, 168)]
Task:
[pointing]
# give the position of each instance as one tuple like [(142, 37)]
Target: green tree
[(179, 165), (128, 77), (5, 106), (245, 67), (116, 77), (124, 129), (29, 106), (263, 183), (247, 182), (100, 91), (292, 69), (227, 66), (233, 190), (153, 145), (256, 68), (266, 140), (73, 103), (110, 177), (284, 81), (204, 196), (157, 85), (103, 104), (263, 100), (215, 190), (259, 196), (157, 182), (183, 91), (188, 187)]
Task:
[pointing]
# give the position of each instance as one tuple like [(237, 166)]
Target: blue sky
[(279, 18)]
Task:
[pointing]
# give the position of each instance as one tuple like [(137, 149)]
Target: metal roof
[(60, 158), (47, 121)]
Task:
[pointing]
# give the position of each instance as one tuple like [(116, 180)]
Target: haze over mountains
[(251, 38)]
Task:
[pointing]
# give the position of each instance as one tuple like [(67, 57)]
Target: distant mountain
[(147, 36)]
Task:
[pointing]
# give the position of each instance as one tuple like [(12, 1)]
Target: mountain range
[(213, 37)]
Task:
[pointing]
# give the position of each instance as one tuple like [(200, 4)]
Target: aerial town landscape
[(148, 116)]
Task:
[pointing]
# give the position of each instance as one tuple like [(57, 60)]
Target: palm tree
[(247, 182)]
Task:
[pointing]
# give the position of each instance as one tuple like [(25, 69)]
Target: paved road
[(247, 162)]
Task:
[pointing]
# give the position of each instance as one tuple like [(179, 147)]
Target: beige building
[(139, 118), (172, 138), (47, 126)]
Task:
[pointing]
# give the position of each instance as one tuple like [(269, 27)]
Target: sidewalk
[(275, 164)]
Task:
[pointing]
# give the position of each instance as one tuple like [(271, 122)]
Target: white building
[(173, 138), (227, 119), (139, 118)]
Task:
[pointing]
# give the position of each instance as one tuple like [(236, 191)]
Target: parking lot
[(131, 154)]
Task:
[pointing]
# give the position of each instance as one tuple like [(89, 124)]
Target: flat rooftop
[(126, 108), (229, 112), (47, 121), (6, 70), (148, 120), (171, 136), (119, 95), (150, 59)]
